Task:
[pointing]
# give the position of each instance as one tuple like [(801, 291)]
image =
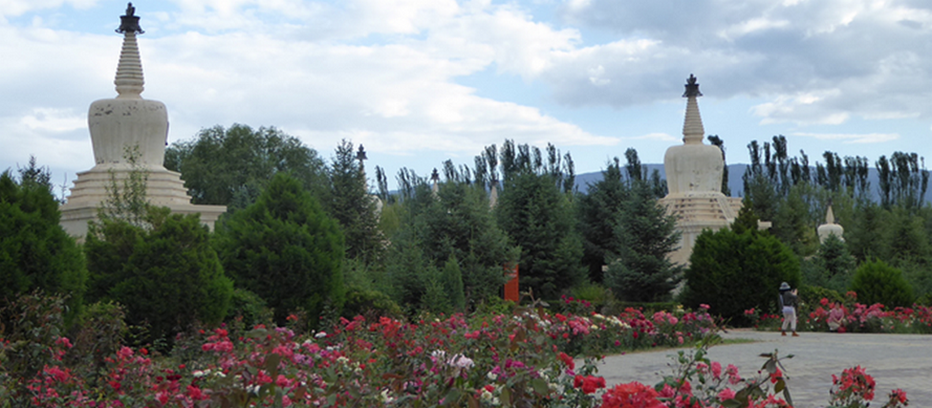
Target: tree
[(734, 272), (538, 217), (718, 142), (639, 269), (35, 252), (352, 206), (286, 249), (597, 211), (167, 277), (794, 220), (876, 282), (453, 225), (834, 265), (232, 166)]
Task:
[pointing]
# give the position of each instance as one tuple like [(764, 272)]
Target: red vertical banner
[(511, 287)]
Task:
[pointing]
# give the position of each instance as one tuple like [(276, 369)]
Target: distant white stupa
[(128, 123), (694, 180), (830, 227)]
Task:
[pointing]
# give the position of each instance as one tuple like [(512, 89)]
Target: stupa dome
[(830, 227)]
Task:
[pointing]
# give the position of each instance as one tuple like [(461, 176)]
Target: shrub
[(248, 308), (98, 334), (285, 249), (734, 272), (369, 303), (877, 282), (166, 277), (35, 252)]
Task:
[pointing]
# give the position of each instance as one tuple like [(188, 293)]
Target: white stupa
[(694, 180), (128, 123), (830, 227)]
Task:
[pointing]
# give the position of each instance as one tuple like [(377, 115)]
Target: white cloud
[(866, 138), (12, 8), (54, 120), (870, 51)]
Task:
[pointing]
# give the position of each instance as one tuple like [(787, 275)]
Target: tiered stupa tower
[(128, 124), (694, 180)]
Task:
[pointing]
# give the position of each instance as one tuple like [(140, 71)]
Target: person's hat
[(784, 286)]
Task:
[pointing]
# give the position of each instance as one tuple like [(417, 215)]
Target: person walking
[(788, 301)]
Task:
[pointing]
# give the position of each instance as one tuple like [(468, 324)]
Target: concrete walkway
[(894, 360)]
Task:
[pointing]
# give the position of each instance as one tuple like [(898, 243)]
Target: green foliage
[(539, 218), (286, 249), (596, 211), (352, 206), (35, 252), (906, 238), (455, 223), (435, 299), (876, 282), (832, 266), (370, 304), (97, 336), (233, 166), (452, 280), (248, 308), (167, 277), (640, 270), (734, 272), (31, 326), (746, 220), (794, 222)]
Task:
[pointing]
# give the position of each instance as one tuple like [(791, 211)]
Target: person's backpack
[(781, 300)]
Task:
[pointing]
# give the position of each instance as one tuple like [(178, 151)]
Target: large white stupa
[(694, 181), (128, 123)]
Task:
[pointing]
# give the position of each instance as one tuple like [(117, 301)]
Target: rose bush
[(527, 358)]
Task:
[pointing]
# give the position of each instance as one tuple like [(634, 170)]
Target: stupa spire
[(129, 80), (692, 126)]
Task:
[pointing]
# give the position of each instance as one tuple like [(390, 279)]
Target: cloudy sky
[(421, 81)]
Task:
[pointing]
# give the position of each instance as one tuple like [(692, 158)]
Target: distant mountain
[(735, 171)]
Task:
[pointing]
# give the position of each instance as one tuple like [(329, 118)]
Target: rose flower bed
[(523, 359)]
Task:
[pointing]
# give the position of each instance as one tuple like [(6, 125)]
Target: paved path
[(894, 360)]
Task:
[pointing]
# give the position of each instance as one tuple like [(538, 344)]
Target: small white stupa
[(128, 123), (830, 227), (694, 180)]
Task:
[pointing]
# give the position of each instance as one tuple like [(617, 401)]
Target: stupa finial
[(692, 87), (129, 80), (130, 22), (693, 131)]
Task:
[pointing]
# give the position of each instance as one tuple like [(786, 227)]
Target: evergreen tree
[(862, 233), (834, 265), (538, 217), (734, 272), (639, 269), (167, 277), (455, 223), (286, 249), (598, 211), (876, 282), (352, 206), (452, 280), (794, 222), (747, 220), (35, 252)]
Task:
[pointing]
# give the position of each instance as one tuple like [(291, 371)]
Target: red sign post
[(511, 287)]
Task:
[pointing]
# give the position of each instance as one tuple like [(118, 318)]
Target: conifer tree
[(35, 252), (352, 206), (286, 249)]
